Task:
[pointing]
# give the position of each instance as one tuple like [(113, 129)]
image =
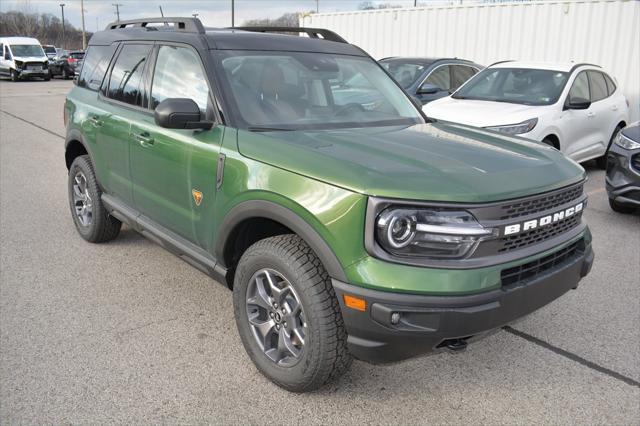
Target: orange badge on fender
[(197, 196)]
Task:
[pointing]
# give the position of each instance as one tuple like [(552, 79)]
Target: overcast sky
[(213, 13)]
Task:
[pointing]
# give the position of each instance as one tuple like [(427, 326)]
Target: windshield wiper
[(266, 129)]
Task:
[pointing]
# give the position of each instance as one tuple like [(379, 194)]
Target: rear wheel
[(288, 316), (616, 207), (92, 220), (601, 162)]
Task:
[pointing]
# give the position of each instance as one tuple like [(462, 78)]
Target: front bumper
[(32, 73), (623, 180), (427, 323)]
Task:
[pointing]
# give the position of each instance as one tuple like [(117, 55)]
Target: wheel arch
[(238, 231), (74, 147), (554, 139)]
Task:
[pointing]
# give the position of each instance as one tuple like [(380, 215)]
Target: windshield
[(23, 50), (515, 85), (49, 50), (405, 73), (299, 90), (77, 55)]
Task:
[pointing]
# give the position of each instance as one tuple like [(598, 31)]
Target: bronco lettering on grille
[(542, 221)]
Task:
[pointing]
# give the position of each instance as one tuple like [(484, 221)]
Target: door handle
[(144, 138), (591, 114), (614, 108), (95, 120)]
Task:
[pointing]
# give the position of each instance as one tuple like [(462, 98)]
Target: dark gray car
[(623, 170), (428, 79)]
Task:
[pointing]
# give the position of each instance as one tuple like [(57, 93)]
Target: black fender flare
[(270, 210), (74, 135)]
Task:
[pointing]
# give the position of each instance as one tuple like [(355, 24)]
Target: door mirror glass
[(180, 113), (428, 89), (7, 56), (578, 103)]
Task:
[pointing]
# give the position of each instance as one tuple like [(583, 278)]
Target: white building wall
[(603, 32)]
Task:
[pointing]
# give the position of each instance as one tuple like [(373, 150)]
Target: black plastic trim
[(311, 32), (273, 211)]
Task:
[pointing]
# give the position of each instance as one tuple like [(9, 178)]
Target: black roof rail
[(320, 33), (188, 25), (500, 62)]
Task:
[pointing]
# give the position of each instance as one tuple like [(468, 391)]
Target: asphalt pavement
[(127, 332)]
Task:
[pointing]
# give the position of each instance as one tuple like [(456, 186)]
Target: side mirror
[(7, 56), (428, 89), (180, 113), (577, 103)]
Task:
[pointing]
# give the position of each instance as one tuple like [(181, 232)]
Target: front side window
[(24, 50), (598, 86), (178, 74), (95, 66), (441, 78), (49, 50), (300, 90), (580, 88), (126, 76), (404, 72), (515, 85)]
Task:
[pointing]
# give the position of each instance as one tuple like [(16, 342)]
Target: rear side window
[(611, 86), (598, 86), (440, 78), (126, 75), (580, 88), (95, 65), (460, 74)]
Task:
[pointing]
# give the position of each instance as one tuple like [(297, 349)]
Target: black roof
[(190, 30)]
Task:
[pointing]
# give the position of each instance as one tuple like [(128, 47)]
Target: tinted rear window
[(95, 66)]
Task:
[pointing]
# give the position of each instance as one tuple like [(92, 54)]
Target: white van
[(23, 57)]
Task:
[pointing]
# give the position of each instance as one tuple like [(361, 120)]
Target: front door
[(581, 126), (174, 171)]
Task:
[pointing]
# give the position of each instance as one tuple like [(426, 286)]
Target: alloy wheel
[(82, 200)]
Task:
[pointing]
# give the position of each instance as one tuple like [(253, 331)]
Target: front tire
[(601, 162), (14, 76), (65, 76), (288, 315), (92, 220), (619, 208)]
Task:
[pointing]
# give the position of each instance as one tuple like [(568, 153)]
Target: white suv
[(577, 108)]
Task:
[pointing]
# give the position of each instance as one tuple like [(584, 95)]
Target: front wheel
[(288, 316), (65, 76), (14, 76)]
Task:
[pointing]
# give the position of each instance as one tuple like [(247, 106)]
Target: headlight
[(626, 143), (429, 233), (516, 129)]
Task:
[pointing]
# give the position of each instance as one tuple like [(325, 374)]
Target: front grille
[(537, 235), (521, 274), (33, 66), (635, 162), (541, 203)]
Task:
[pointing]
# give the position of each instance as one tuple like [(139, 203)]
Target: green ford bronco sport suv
[(294, 170)]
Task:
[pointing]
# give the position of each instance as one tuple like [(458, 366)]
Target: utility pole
[(233, 13), (84, 33), (117, 5), (63, 30), (317, 6), (195, 15), (161, 12)]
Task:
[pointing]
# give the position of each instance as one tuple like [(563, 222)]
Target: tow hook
[(456, 345)]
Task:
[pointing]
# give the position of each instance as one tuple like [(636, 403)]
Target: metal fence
[(602, 32)]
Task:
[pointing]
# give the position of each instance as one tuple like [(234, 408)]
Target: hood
[(481, 113), (436, 161), (30, 58)]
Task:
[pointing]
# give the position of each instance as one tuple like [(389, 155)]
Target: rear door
[(120, 103), (173, 170), (602, 106)]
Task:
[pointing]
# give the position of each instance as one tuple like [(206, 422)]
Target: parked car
[(623, 171), (428, 79), (23, 57), (342, 229), (67, 66), (576, 108), (50, 51)]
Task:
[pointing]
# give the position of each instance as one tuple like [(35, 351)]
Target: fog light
[(395, 318)]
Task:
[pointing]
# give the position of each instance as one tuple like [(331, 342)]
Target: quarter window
[(598, 86), (95, 66), (178, 74), (440, 78), (126, 76), (611, 86), (580, 88)]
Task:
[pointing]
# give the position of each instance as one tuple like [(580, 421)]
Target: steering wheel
[(348, 108)]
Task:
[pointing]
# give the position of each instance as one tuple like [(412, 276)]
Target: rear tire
[(311, 352), (601, 162), (618, 208), (92, 220)]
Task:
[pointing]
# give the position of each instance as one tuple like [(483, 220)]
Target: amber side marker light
[(355, 303)]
